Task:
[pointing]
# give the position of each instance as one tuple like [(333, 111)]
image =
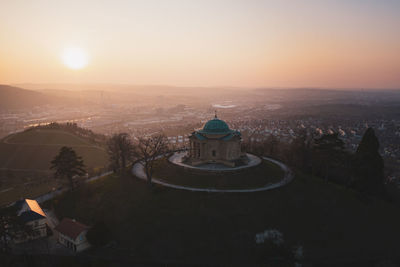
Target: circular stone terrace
[(177, 159), (261, 174)]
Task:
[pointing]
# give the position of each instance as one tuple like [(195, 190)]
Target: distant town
[(258, 114)]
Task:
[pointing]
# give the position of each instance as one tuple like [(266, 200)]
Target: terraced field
[(25, 160)]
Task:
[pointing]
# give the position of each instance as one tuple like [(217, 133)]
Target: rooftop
[(71, 228), (30, 210), (216, 126), (34, 206)]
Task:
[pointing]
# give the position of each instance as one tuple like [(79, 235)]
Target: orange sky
[(341, 44)]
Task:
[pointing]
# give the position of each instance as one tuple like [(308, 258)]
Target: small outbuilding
[(72, 234)]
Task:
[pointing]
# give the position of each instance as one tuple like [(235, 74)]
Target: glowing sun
[(74, 58)]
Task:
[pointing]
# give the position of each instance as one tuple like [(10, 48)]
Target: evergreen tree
[(368, 165), (68, 164), (329, 158)]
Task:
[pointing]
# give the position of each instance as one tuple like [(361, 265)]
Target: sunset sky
[(336, 44)]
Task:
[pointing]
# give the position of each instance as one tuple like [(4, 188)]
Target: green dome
[(215, 126)]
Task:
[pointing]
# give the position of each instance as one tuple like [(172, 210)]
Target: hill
[(17, 98), (334, 225), (25, 160)]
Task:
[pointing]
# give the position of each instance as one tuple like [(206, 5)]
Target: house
[(32, 215), (72, 234)]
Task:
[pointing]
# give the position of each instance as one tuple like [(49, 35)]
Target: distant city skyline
[(323, 44)]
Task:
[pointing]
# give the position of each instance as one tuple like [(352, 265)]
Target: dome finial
[(216, 114)]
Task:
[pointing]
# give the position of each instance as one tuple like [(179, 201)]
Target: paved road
[(52, 220), (138, 171), (55, 193), (25, 170)]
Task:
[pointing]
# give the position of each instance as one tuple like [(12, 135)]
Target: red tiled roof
[(71, 228)]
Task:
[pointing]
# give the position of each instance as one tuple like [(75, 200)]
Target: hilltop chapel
[(216, 143)]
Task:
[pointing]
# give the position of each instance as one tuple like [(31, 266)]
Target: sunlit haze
[(333, 44), (199, 133), (74, 58)]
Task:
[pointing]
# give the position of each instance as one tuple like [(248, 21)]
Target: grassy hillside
[(333, 224), (46, 137), (25, 160), (34, 149), (17, 98)]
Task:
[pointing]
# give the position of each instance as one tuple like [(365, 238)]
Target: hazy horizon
[(92, 85), (261, 44), (199, 132)]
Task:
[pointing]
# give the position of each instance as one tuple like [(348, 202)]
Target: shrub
[(99, 235)]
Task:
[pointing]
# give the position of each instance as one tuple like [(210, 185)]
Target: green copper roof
[(216, 126), (227, 137), (199, 136)]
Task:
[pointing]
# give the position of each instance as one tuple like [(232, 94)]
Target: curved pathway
[(138, 171)]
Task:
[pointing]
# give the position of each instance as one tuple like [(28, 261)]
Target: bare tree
[(149, 148), (120, 150), (11, 228)]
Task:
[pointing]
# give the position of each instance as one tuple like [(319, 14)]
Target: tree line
[(122, 151), (323, 156), (73, 128), (327, 158)]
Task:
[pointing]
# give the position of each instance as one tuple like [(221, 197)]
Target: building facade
[(216, 143), (32, 215), (72, 234)]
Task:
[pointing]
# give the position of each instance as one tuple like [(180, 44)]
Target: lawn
[(46, 137), (25, 161), (16, 185), (34, 149), (332, 223), (254, 177)]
